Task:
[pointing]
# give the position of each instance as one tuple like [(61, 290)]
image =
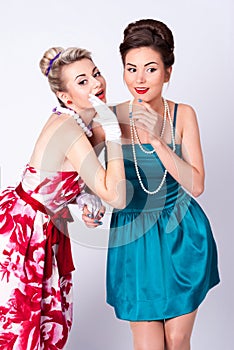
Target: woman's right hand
[(147, 119)]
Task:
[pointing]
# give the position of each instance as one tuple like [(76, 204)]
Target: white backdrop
[(202, 76)]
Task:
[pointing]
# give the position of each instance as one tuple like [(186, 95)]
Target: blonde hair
[(54, 59)]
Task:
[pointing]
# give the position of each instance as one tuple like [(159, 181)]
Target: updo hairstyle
[(149, 33), (54, 59)]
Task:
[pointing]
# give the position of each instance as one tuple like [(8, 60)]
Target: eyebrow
[(84, 75), (145, 65)]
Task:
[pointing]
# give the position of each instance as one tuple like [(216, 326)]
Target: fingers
[(102, 109), (145, 109), (145, 114), (148, 122), (92, 202), (143, 106), (148, 107), (93, 205), (95, 101), (90, 220), (101, 212), (105, 116), (147, 118), (145, 122)]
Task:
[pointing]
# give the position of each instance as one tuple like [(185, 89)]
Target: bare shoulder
[(186, 112), (56, 138), (186, 116), (63, 122), (59, 129)]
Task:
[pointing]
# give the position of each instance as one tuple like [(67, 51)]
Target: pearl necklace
[(59, 110), (133, 131), (132, 124)]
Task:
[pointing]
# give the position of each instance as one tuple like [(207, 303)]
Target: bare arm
[(109, 183)]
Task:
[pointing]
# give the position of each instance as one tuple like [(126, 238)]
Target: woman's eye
[(131, 70), (151, 70), (97, 74), (83, 82)]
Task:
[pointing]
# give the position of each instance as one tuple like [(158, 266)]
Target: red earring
[(69, 102)]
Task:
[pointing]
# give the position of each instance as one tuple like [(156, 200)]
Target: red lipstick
[(101, 95), (141, 90)]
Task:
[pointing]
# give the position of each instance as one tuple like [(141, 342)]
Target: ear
[(167, 74), (63, 96)]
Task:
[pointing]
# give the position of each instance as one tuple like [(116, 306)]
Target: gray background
[(202, 76)]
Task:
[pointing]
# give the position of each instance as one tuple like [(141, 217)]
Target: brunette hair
[(149, 33)]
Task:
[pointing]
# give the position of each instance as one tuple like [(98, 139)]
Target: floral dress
[(36, 261)]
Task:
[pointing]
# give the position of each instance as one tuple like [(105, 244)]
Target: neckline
[(37, 170), (149, 144)]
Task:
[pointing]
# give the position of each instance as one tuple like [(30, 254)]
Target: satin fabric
[(162, 256)]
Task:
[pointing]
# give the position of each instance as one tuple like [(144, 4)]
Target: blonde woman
[(35, 253)]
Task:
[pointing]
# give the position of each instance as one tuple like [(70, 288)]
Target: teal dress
[(162, 256)]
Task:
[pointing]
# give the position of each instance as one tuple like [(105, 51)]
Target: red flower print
[(10, 265), (7, 340), (54, 331), (19, 306)]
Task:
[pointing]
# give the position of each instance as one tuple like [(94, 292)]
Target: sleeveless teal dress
[(162, 256)]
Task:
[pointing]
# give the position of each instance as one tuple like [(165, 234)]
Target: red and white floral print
[(35, 308)]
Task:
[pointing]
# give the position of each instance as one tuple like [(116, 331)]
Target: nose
[(140, 78), (95, 83)]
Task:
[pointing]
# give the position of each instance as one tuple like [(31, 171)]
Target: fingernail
[(90, 216), (98, 222), (139, 100)]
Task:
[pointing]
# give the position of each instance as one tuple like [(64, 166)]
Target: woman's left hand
[(90, 220), (92, 209)]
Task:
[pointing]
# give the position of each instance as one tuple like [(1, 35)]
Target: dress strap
[(174, 117), (114, 109)]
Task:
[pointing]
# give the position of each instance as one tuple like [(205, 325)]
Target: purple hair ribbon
[(51, 62)]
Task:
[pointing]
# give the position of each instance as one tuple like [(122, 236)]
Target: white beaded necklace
[(134, 136), (60, 110)]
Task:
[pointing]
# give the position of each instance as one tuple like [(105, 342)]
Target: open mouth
[(100, 95), (142, 90)]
